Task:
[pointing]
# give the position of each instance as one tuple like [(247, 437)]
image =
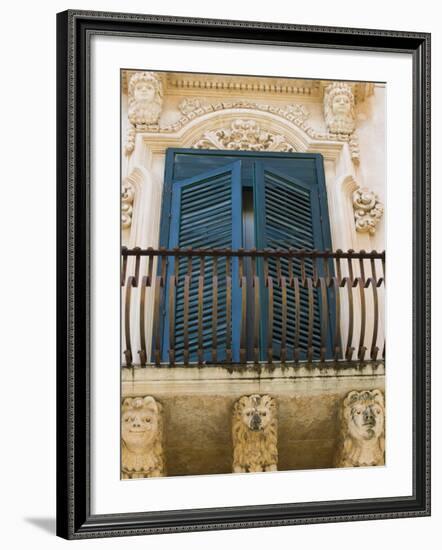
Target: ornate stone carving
[(299, 112), (353, 143), (244, 135), (362, 424), (190, 105), (141, 438), (127, 199), (145, 104), (254, 434), (368, 210), (192, 108), (339, 111)]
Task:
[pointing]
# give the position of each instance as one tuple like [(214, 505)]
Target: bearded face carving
[(141, 434), (339, 108), (362, 421), (145, 104), (145, 98), (254, 433)]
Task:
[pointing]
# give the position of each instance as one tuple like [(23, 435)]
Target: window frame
[(167, 207)]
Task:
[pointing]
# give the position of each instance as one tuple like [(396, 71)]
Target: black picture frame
[(74, 518)]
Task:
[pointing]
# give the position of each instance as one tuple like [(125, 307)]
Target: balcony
[(189, 307)]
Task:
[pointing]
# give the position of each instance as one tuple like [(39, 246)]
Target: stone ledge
[(237, 380)]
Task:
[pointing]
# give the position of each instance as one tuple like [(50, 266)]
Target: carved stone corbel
[(255, 434), (142, 452), (362, 430)]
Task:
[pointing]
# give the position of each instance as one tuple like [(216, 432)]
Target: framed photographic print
[(231, 195)]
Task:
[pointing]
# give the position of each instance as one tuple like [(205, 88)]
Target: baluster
[(159, 284), (348, 281), (361, 283), (187, 283), (124, 266), (128, 350), (145, 284), (310, 319), (173, 284), (214, 309), (374, 350), (243, 285), (269, 285), (283, 285), (256, 313), (296, 351), (200, 310), (132, 282), (323, 281), (337, 295), (228, 311)]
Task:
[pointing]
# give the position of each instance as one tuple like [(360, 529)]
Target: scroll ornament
[(127, 199), (368, 210)]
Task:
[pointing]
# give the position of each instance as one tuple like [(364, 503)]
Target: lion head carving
[(254, 434), (142, 438), (362, 421)]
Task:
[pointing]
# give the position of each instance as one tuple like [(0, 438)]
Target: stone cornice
[(184, 83)]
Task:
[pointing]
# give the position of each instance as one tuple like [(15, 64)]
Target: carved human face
[(341, 105), (139, 425), (366, 420), (144, 91), (256, 412)]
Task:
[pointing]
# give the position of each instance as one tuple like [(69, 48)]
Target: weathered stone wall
[(198, 402)]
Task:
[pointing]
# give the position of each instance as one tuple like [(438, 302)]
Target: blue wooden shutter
[(205, 213), (288, 215)]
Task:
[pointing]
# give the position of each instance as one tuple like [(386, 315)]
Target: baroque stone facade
[(194, 407)]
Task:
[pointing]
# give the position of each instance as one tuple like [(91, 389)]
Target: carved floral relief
[(368, 210)]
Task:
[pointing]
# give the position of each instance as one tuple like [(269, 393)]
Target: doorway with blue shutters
[(242, 200)]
